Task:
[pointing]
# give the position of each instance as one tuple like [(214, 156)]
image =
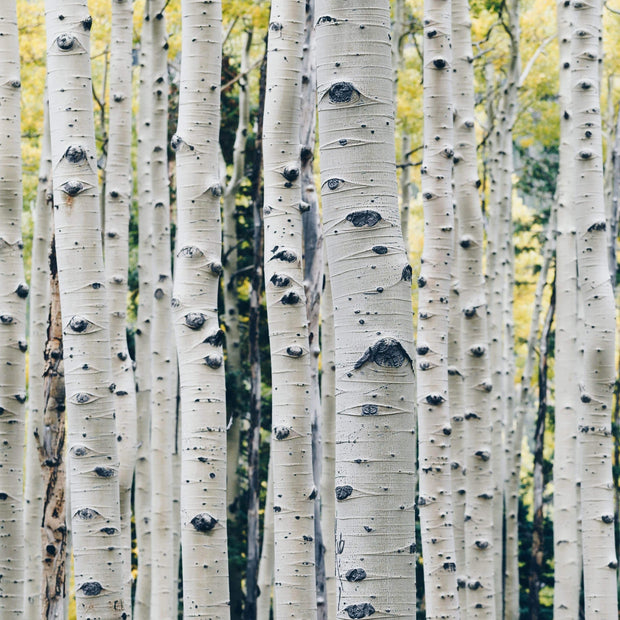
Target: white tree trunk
[(567, 571), (265, 567), (119, 188), (39, 314), (371, 284), (294, 490), (197, 270), (93, 461), (13, 293), (599, 558)]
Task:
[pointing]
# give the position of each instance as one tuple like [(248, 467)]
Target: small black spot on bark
[(304, 206), (607, 518), (3, 496), (216, 339), (363, 218), (275, 26), (363, 610), (122, 356), (23, 347), (325, 19), (104, 472), (421, 282), (82, 398), (586, 154), (158, 294), (22, 291), (369, 409), (333, 184), (474, 585), (195, 320), (87, 514), (585, 399), (477, 350), (440, 63), (285, 255), (290, 299), (216, 269), (51, 549), (313, 493), (91, 588), (109, 530), (295, 351), (75, 154), (87, 23), (279, 281), (65, 42), (216, 190), (422, 349), (277, 509), (291, 173), (281, 432), (204, 522), (342, 492), (449, 566), (213, 360), (72, 187), (483, 455), (434, 399), (387, 352), (482, 544), (78, 324), (597, 226), (407, 273), (379, 249), (342, 92), (356, 574)]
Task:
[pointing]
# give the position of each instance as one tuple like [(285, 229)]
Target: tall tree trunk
[(265, 569), (54, 540), (163, 355), (197, 271), (119, 186), (13, 293), (371, 283), (291, 451), (142, 493), (599, 557), (434, 283), (567, 571), (92, 450), (39, 314), (537, 550)]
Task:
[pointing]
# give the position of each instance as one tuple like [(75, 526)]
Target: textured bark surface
[(142, 501), (596, 385), (375, 428), (13, 293), (294, 490), (195, 306), (39, 315), (434, 430), (265, 568), (91, 439), (567, 571), (118, 190), (54, 538)]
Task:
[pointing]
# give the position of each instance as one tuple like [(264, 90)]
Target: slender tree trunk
[(371, 283), (567, 571), (142, 497), (54, 540), (537, 550), (328, 425), (119, 188), (599, 557), (265, 569), (39, 314), (93, 460), (197, 271), (163, 358), (13, 293), (294, 490)]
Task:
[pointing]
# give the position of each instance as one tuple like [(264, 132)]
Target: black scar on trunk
[(386, 352)]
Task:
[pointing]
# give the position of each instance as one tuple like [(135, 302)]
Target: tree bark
[(265, 569), (93, 460)]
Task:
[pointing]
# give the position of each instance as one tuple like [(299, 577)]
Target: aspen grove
[(308, 309)]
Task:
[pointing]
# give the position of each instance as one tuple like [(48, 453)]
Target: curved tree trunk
[(197, 271), (13, 293), (599, 558), (371, 284), (294, 491), (119, 188), (265, 569), (93, 461)]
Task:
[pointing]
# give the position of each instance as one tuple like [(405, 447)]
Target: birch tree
[(117, 207), (197, 271), (294, 490), (598, 376), (93, 461), (371, 285), (13, 293)]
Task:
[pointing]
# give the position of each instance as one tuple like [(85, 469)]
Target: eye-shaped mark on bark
[(91, 588), (440, 63), (597, 226), (110, 531), (280, 281), (176, 142), (334, 184), (158, 293), (326, 19), (277, 509), (478, 350), (472, 416), (407, 273), (447, 431), (379, 249), (190, 251), (175, 303), (586, 154), (466, 242), (483, 455), (291, 173), (195, 320), (425, 365), (290, 299), (613, 564), (355, 574), (281, 432), (87, 514), (364, 218), (216, 268), (469, 312), (216, 190), (474, 585), (87, 23), (22, 291), (105, 472), (294, 351), (422, 349), (285, 255), (362, 610), (216, 339), (81, 325), (275, 26), (20, 398), (118, 97), (82, 398), (386, 352), (65, 41), (434, 399), (204, 522), (370, 409), (343, 92), (313, 493), (213, 360), (23, 346), (72, 187), (304, 207), (342, 492), (79, 451), (15, 84), (453, 372), (75, 153), (607, 518), (421, 282)]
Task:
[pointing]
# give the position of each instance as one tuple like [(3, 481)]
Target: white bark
[(375, 427), (567, 571), (119, 188), (39, 314), (265, 567), (434, 283), (13, 293), (599, 559), (93, 461), (142, 502), (294, 490), (199, 337)]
